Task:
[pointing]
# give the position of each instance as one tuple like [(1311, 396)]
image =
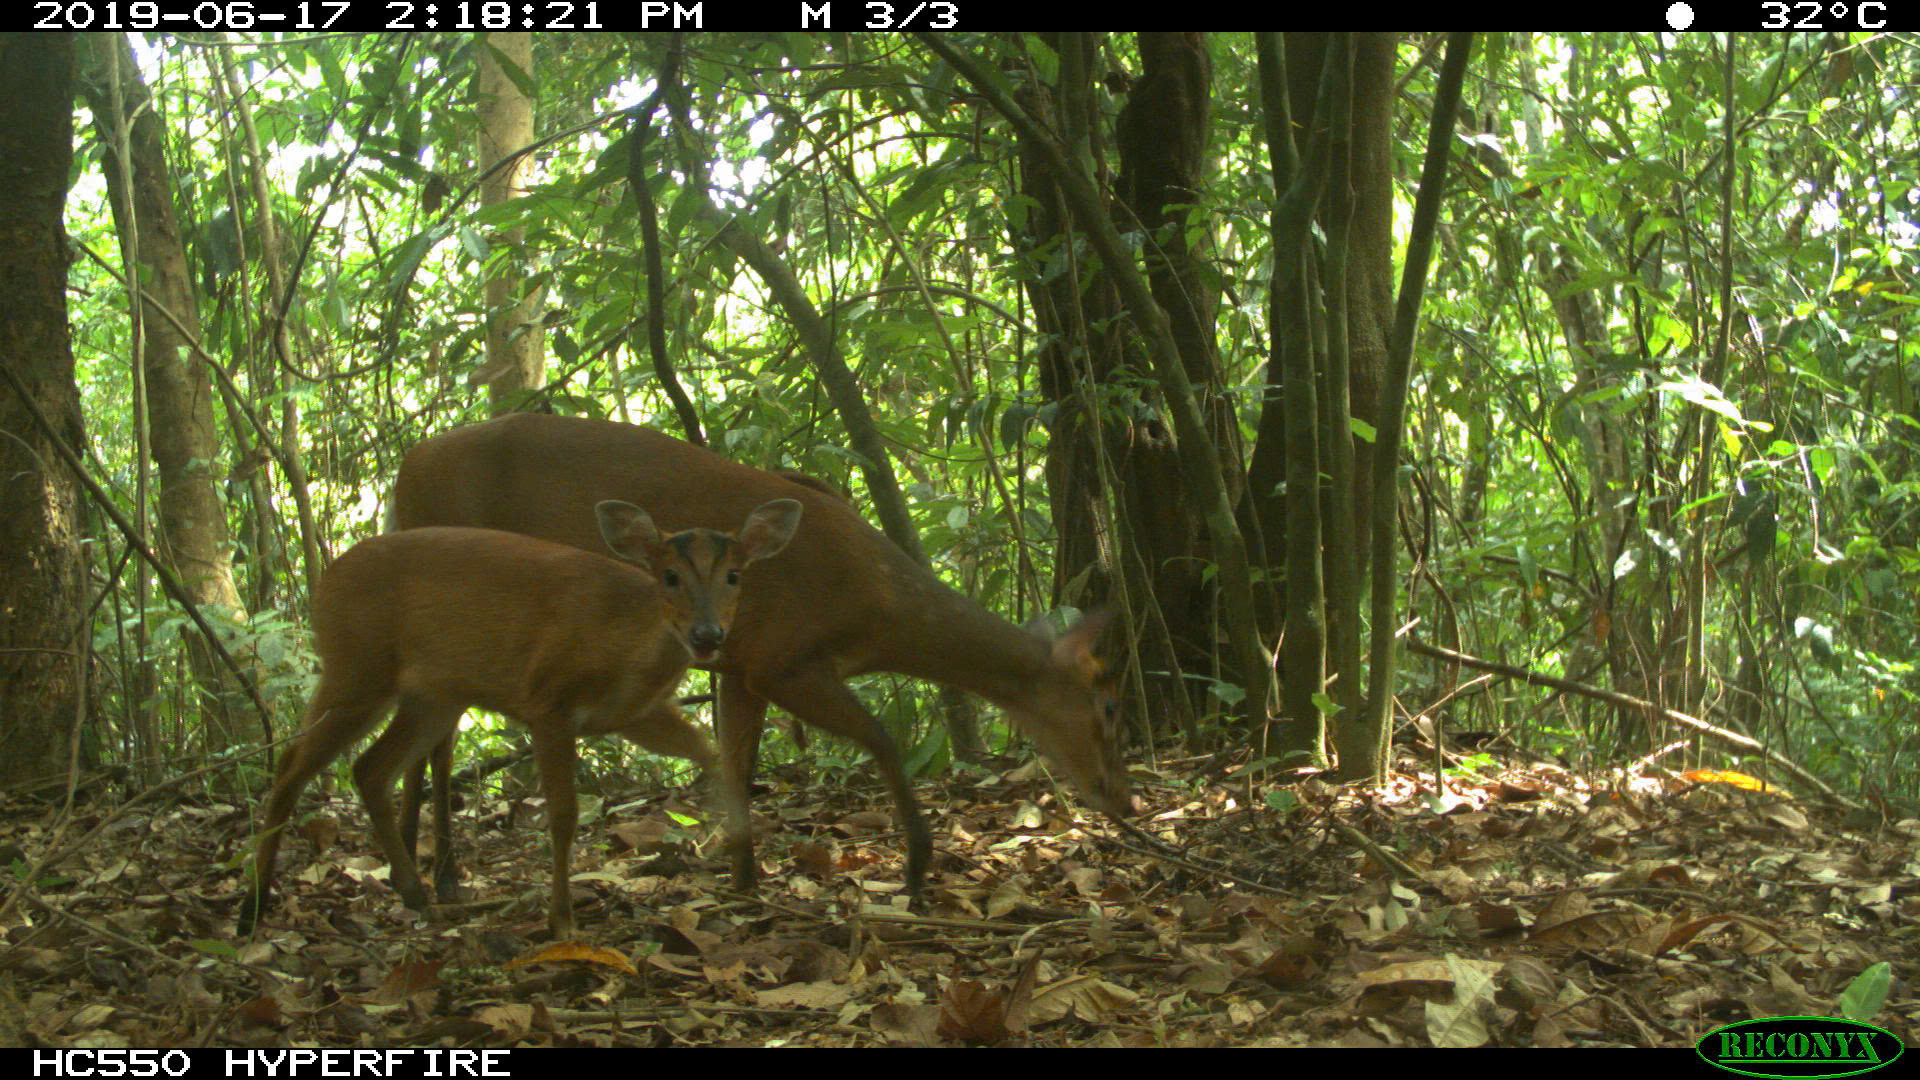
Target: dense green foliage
[(1558, 486)]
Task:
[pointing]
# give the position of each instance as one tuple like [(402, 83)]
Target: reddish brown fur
[(564, 641), (838, 601)]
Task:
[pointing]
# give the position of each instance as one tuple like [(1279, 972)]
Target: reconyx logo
[(1799, 1047)]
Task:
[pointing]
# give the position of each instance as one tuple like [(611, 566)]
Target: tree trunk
[(194, 539), (1363, 740), (1355, 211), (1297, 370), (41, 568), (1360, 184), (1127, 523), (516, 346)]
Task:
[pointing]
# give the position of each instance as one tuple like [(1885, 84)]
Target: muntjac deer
[(566, 642), (656, 735), (839, 601)]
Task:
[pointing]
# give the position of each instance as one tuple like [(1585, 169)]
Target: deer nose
[(706, 637)]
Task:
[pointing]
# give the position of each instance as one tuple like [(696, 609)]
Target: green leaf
[(955, 409), (223, 950), (473, 243), (1819, 638), (925, 754), (1014, 422), (1226, 691), (330, 73), (515, 74), (1529, 566), (523, 210), (1624, 565), (1703, 394), (921, 193), (611, 165), (680, 211), (1045, 61), (407, 260), (1862, 999)]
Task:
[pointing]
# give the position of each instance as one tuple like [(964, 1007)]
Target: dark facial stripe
[(687, 545)]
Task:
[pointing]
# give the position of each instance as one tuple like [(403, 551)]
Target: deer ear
[(1076, 644), (768, 529), (628, 531), (1073, 647)]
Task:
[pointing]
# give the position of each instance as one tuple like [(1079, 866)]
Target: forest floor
[(1528, 907)]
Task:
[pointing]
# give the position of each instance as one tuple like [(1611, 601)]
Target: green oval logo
[(1799, 1047)]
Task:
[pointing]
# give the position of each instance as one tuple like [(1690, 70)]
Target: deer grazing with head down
[(568, 643), (844, 600)]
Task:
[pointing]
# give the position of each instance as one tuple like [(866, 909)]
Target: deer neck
[(940, 635)]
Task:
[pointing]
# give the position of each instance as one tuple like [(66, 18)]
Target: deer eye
[(671, 578), (733, 577)]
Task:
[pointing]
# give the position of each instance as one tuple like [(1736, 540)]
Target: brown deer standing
[(567, 642), (656, 735), (839, 601)]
